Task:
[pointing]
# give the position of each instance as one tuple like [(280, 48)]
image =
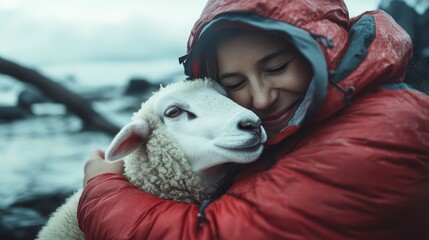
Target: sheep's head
[(209, 129)]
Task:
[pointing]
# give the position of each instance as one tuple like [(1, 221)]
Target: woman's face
[(264, 73)]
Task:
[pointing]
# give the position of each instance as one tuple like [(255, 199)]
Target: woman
[(348, 155)]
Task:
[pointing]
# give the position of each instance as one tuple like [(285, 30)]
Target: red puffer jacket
[(353, 164)]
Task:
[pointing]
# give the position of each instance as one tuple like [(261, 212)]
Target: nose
[(263, 96), (250, 126)]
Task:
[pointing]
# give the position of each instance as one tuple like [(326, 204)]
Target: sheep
[(178, 146)]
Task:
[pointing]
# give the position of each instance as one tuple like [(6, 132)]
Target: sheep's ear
[(127, 140)]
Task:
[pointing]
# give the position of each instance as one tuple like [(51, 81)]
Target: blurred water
[(43, 155)]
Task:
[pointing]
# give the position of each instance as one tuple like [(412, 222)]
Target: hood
[(347, 55)]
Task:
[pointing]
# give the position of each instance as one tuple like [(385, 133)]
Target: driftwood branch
[(75, 103)]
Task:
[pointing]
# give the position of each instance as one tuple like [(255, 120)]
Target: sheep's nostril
[(250, 126)]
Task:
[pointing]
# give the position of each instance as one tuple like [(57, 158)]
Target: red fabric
[(357, 172)]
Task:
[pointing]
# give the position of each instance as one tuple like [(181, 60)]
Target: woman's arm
[(133, 211), (361, 175)]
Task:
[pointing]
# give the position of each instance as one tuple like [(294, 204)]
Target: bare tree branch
[(74, 102)]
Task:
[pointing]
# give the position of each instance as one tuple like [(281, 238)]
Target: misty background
[(96, 49)]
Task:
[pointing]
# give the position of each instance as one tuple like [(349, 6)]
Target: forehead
[(246, 45)]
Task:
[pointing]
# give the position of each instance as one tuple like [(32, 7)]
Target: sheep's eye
[(172, 112)]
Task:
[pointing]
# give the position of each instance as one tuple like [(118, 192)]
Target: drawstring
[(203, 206), (347, 92), (219, 192), (323, 40)]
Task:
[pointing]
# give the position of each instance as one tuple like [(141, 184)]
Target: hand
[(96, 165)]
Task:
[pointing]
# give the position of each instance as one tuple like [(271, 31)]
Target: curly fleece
[(159, 167)]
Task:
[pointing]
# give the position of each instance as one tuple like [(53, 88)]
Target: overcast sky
[(62, 31)]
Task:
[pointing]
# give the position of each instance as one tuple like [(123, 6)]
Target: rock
[(11, 113), (43, 204), (30, 96), (139, 86), (24, 218), (20, 223)]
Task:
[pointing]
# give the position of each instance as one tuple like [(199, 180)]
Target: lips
[(280, 118)]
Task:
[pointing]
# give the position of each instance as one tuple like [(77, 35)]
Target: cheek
[(306, 73), (241, 97), (298, 77)]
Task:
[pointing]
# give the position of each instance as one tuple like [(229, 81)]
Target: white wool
[(160, 168), (63, 224)]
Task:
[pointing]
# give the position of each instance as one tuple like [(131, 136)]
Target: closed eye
[(234, 86), (278, 69)]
